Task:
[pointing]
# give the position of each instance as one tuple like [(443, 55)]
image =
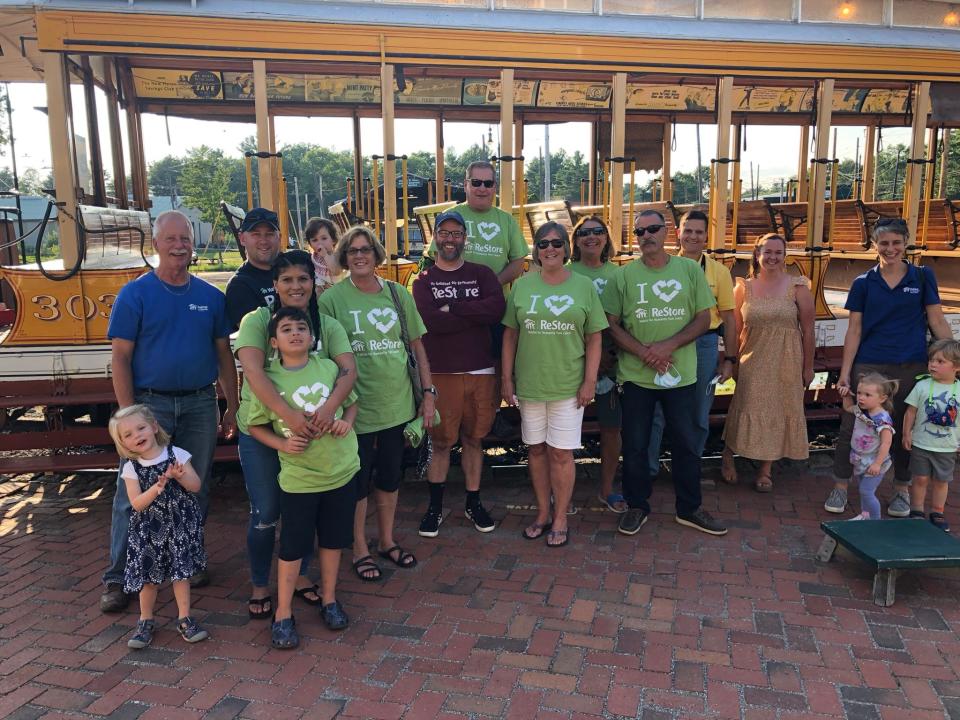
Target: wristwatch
[(432, 390), (732, 359)]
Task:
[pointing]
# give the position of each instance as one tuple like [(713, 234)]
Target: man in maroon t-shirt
[(459, 302)]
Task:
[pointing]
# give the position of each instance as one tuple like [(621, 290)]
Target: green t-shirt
[(602, 277), (552, 321), (655, 304), (253, 333), (936, 402), (373, 328), (493, 238), (328, 462)]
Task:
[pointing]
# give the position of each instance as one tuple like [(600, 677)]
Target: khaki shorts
[(467, 405)]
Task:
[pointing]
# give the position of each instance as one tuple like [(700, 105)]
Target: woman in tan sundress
[(774, 312)]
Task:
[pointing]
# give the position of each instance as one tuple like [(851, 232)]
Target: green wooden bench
[(891, 546)]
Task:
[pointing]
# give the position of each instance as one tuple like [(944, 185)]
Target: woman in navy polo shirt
[(890, 307)]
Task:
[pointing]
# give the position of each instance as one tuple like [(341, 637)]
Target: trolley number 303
[(79, 307)]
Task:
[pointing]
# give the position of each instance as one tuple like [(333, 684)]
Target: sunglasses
[(448, 234), (652, 229), (585, 232), (365, 250), (486, 183), (544, 244)]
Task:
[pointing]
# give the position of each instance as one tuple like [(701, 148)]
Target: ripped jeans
[(261, 467)]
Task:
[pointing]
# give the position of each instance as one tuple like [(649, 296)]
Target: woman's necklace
[(378, 281), (169, 288)]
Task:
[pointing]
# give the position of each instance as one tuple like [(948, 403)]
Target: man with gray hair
[(170, 343), (494, 238)]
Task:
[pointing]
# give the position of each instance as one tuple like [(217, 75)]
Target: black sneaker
[(918, 515), (480, 517), (430, 524), (701, 520), (631, 521)]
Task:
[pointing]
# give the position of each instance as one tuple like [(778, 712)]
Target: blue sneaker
[(142, 636), (190, 631)]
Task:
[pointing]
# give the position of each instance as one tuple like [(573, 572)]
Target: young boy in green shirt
[(316, 476)]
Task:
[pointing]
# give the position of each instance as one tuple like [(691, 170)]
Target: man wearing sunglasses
[(494, 238), (459, 302), (658, 308), (692, 237)]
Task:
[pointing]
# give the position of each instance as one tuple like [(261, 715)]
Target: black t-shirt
[(250, 288)]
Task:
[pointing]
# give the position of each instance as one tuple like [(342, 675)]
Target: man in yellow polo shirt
[(692, 236)]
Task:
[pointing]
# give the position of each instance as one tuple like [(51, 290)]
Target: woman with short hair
[(551, 352), (372, 311), (891, 306)]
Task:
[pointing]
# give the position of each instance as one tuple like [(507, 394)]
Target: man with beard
[(658, 308), (459, 302), (252, 285)]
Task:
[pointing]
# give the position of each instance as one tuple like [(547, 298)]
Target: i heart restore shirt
[(494, 238), (552, 322), (655, 304), (373, 329)]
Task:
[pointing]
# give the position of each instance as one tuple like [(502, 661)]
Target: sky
[(772, 150)]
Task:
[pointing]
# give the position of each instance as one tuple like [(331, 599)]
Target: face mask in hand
[(670, 378)]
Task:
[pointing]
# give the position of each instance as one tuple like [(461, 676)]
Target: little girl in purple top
[(872, 437)]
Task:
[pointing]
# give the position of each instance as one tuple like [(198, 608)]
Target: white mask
[(670, 378)]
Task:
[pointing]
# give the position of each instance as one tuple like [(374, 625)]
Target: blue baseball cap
[(449, 215), (259, 216)]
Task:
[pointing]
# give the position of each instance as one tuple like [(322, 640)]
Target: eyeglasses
[(450, 234), (652, 229), (584, 232), (544, 244), (486, 183), (365, 250)]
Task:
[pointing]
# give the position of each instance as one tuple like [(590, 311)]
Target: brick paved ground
[(667, 624)]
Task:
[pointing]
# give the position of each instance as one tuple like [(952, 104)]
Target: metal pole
[(546, 163), (323, 205), (13, 167), (896, 174), (699, 166), (296, 194)]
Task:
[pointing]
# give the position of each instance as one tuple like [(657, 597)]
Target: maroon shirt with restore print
[(458, 340)]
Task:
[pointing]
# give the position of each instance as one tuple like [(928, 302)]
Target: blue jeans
[(261, 468), (706, 371), (191, 422), (679, 407)]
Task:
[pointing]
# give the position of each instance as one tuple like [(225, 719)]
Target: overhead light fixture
[(846, 11), (951, 19)]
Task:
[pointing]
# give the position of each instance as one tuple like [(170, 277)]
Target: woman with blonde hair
[(774, 313)]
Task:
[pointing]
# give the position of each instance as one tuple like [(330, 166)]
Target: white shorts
[(555, 422)]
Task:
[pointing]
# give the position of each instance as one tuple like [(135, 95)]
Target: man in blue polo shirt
[(170, 343), (891, 305)]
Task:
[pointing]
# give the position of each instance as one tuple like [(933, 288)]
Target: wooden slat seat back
[(112, 234), (755, 218), (941, 231), (234, 216), (425, 215), (338, 213), (541, 213)]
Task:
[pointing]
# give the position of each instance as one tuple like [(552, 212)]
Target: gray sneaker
[(837, 501), (899, 506)]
